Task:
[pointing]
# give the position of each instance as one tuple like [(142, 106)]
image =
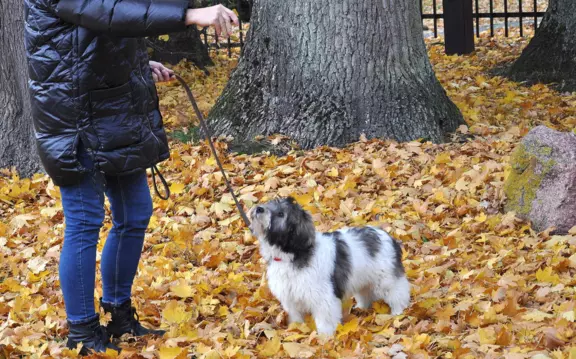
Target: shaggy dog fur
[(311, 272)]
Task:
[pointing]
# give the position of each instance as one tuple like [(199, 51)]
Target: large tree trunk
[(17, 144), (551, 55), (326, 73)]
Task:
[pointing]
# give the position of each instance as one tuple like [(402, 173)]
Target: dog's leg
[(364, 298), (327, 315), (294, 314), (397, 295)]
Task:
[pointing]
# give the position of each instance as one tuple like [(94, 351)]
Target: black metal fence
[(229, 44), (488, 15)]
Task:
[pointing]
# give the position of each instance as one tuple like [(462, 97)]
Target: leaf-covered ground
[(484, 284)]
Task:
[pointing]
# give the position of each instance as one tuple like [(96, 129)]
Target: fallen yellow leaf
[(169, 353), (298, 350), (350, 327), (271, 347), (175, 313), (547, 276), (182, 290), (487, 335), (177, 188)]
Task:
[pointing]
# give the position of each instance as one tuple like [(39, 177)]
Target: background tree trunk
[(17, 144), (550, 57), (244, 8), (182, 45), (326, 73)]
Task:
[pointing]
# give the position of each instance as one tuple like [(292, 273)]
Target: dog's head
[(285, 224)]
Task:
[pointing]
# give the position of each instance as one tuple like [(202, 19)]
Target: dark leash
[(208, 136)]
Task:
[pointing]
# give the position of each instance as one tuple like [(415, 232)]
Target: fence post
[(458, 27)]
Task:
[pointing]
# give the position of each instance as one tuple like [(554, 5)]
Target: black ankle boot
[(92, 335), (125, 320)]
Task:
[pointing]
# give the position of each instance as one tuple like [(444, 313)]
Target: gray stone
[(541, 187)]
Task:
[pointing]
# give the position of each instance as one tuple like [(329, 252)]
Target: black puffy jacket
[(90, 81)]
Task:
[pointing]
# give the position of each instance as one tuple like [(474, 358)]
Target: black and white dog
[(311, 272)]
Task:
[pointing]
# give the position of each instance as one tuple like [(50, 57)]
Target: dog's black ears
[(293, 202)]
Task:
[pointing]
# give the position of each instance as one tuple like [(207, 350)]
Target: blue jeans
[(83, 204)]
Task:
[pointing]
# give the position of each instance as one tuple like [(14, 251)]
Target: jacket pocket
[(113, 117)]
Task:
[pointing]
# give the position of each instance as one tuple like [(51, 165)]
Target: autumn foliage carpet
[(485, 285)]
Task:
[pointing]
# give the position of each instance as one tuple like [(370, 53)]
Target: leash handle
[(209, 138), (154, 170)]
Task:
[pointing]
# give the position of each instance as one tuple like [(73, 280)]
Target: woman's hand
[(218, 16), (160, 73)]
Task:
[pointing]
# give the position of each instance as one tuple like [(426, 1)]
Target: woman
[(98, 128)]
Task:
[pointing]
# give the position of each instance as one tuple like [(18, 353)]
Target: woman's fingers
[(217, 27), (162, 74), (166, 74), (233, 16), (227, 21), (224, 27), (158, 74), (218, 16)]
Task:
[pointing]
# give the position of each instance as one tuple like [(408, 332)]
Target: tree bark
[(550, 57), (323, 74), (17, 143), (183, 45)]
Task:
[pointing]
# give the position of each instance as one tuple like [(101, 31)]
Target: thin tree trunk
[(244, 9), (550, 57), (17, 144), (326, 73)]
